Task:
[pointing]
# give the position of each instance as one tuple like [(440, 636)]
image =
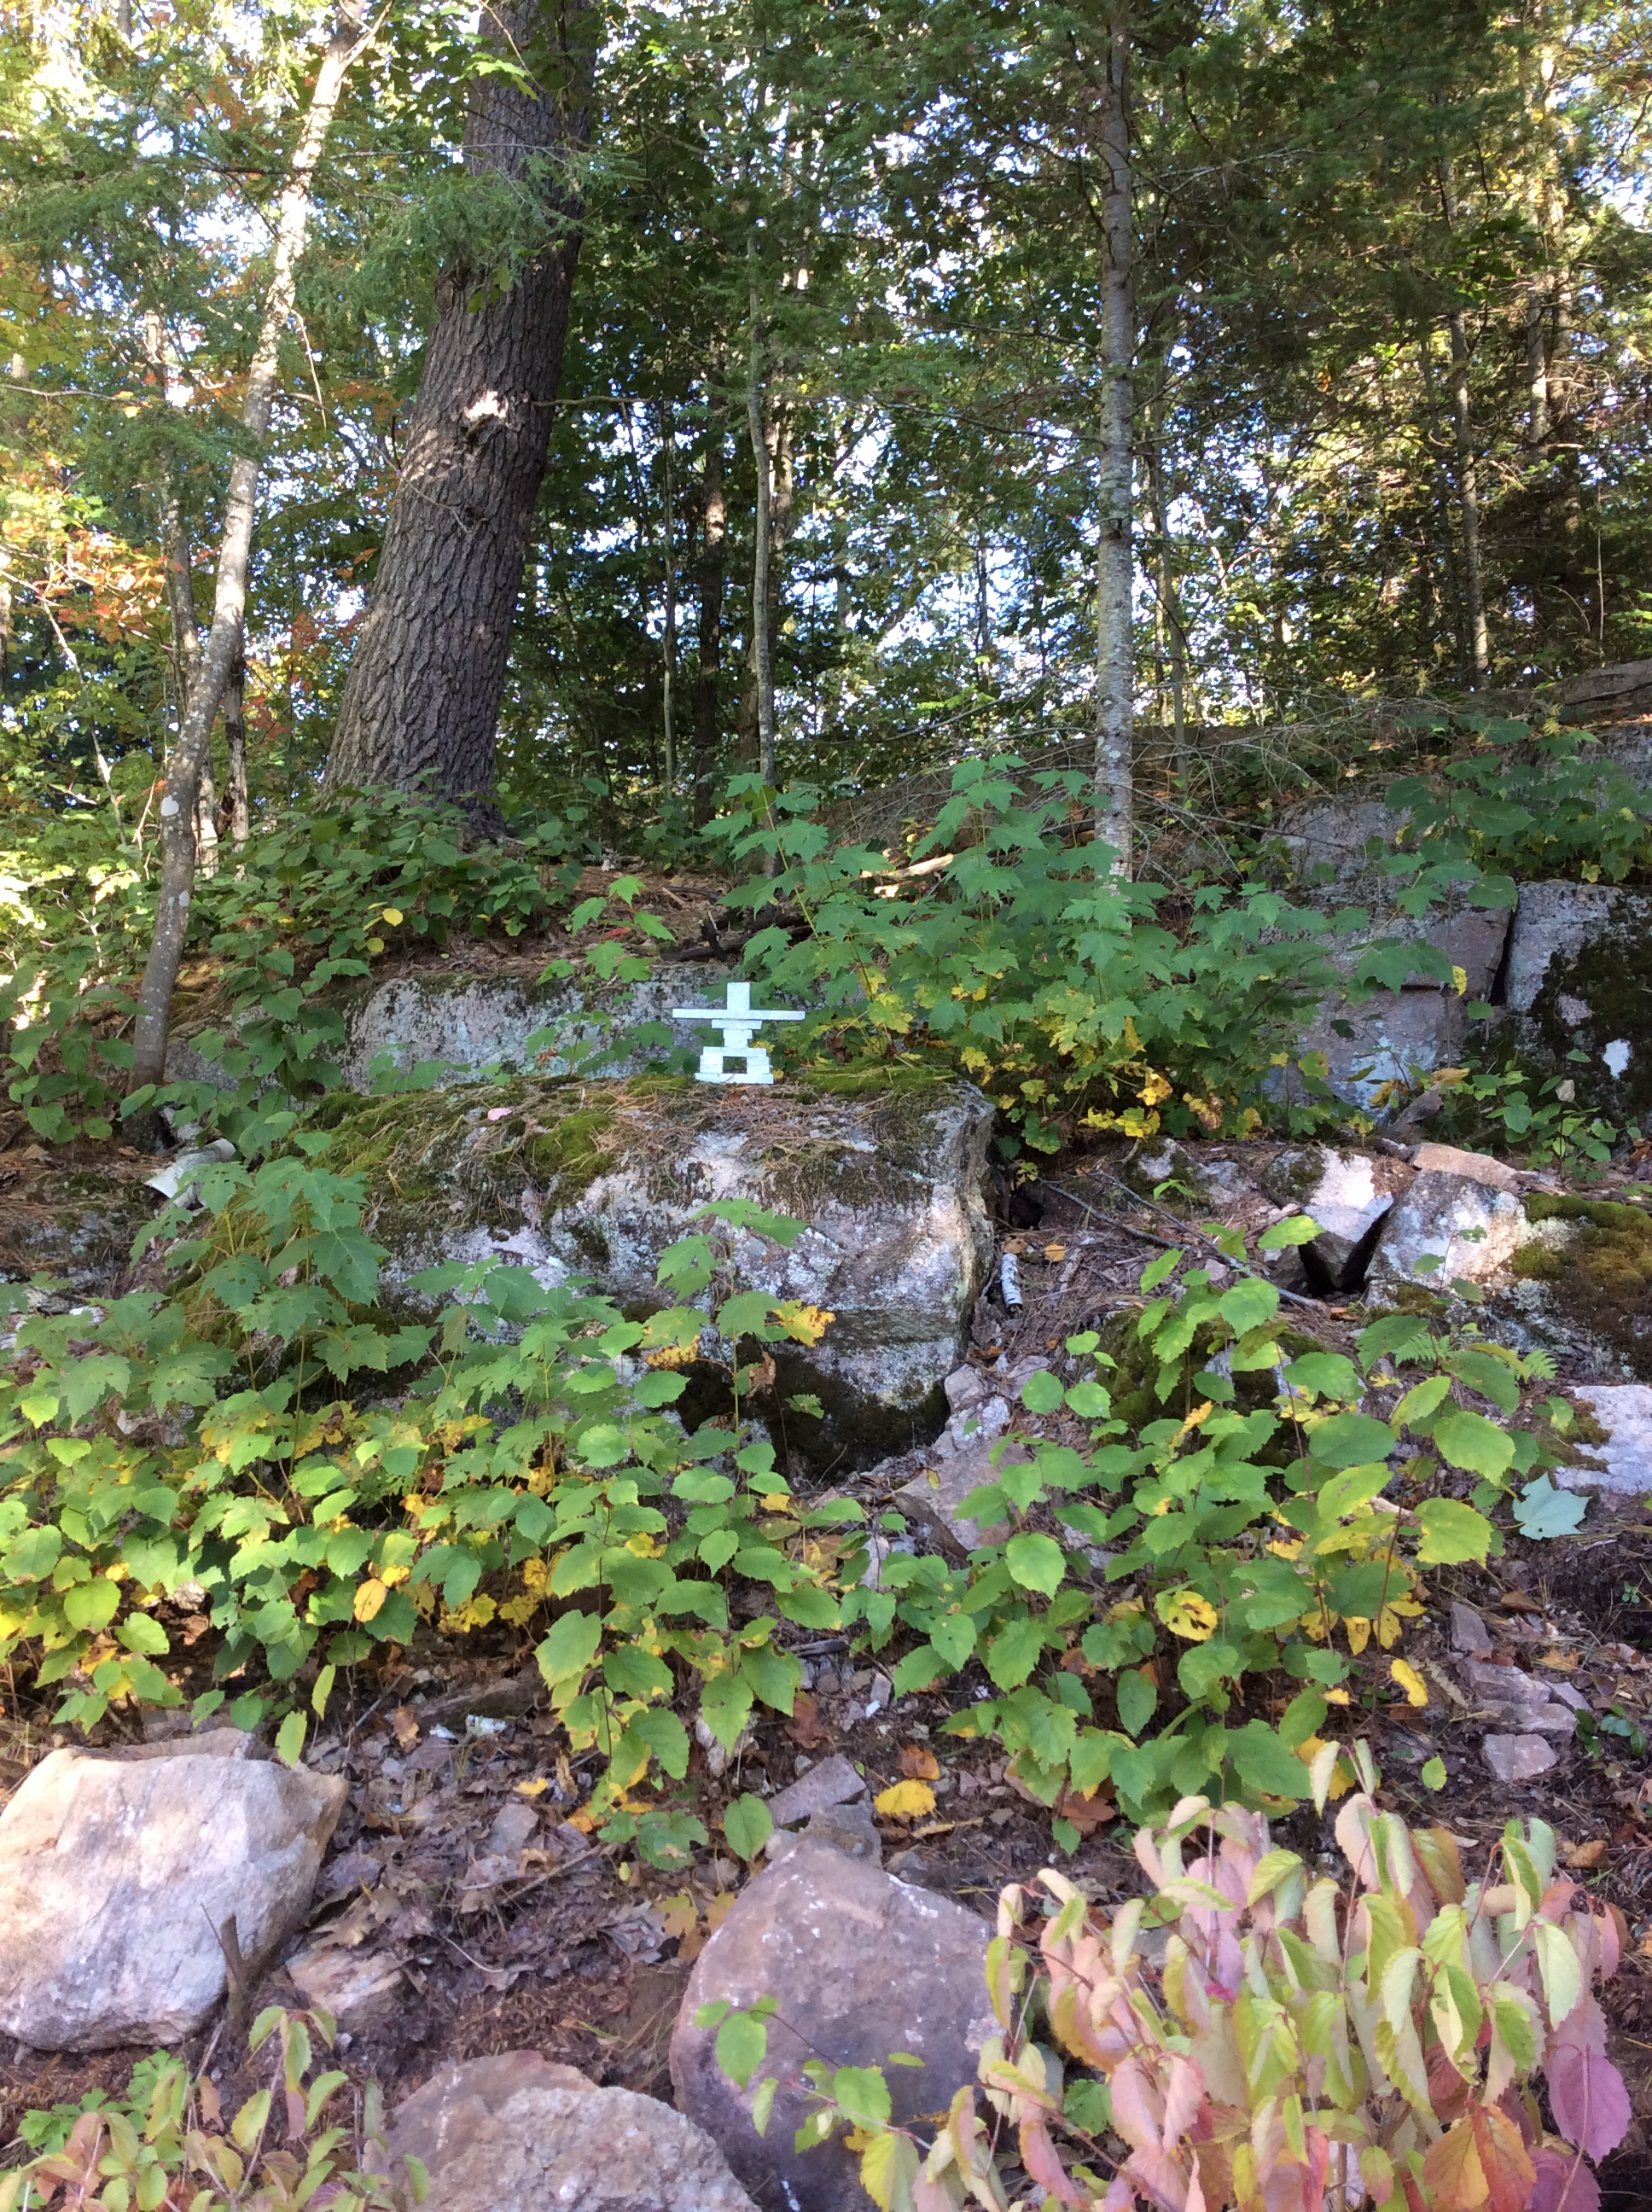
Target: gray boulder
[(863, 1964), (596, 1180), (75, 1226), (117, 1874), (1348, 1194), (516, 2133), (1623, 1410), (1470, 1228)]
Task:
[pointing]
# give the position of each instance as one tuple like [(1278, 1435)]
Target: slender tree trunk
[(1468, 489), (762, 636), (1114, 657), (420, 707), (712, 557), (240, 818), (230, 602), (668, 648)]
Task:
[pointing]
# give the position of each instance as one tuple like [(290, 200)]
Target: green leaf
[(1138, 1699), (289, 1738), (1013, 1653), (1452, 1532), (140, 1632), (92, 1605), (1295, 1229), (1262, 1762), (863, 2094), (1302, 1718), (748, 1826), (1433, 1773), (1324, 1375), (953, 1636), (1542, 1512), (1041, 1393), (1350, 1440), (742, 2046), (1035, 1562), (1347, 1492), (570, 1647), (665, 1736), (1469, 1440), (1249, 1303)]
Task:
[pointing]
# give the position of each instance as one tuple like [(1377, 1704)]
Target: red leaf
[(1453, 2177), (1508, 2170), (1039, 2156), (1588, 2100)]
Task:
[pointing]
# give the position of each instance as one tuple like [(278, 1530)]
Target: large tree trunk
[(223, 643), (420, 707), (1115, 674), (1479, 653), (762, 518)]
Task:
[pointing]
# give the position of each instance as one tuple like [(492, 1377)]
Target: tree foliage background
[(1393, 279)]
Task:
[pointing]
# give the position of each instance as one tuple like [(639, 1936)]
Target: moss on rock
[(1602, 1277)]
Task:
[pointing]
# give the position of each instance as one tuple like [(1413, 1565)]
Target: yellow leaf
[(1460, 979), (1335, 1697), (369, 1597), (1053, 1252), (905, 1801), (1342, 1780), (391, 1576), (718, 1909), (393, 916), (535, 1575), (1359, 1633), (1391, 1621), (518, 1611), (537, 1787), (1187, 1614), (1410, 1682), (678, 1915), (585, 1819), (804, 1324)]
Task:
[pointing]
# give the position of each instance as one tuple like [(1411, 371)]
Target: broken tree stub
[(117, 1874), (596, 1180)]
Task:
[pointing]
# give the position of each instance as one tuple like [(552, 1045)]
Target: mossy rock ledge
[(597, 1179)]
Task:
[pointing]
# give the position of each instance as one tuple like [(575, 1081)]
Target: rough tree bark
[(1477, 641), (229, 599), (421, 705), (1114, 657), (762, 630)]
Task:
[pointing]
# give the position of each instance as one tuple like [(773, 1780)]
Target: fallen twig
[(1199, 1236)]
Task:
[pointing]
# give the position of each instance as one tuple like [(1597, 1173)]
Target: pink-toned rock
[(1516, 1759), (930, 1500), (517, 2134), (833, 1782), (1479, 1167), (862, 1965)]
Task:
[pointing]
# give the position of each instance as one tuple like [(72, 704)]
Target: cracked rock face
[(1468, 1229), (862, 1965), (1578, 980)]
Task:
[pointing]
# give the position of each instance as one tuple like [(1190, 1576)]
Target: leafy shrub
[(166, 2147), (1255, 2034)]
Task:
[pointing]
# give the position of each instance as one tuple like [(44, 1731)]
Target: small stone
[(1545, 1720), (964, 1386), (518, 2134), (357, 1987), (930, 1500), (1515, 1759), (834, 1782), (1468, 1630), (513, 1829), (116, 1874), (863, 1964), (846, 1828), (983, 1422), (1503, 1686)]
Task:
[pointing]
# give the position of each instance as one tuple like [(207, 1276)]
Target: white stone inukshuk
[(739, 1022)]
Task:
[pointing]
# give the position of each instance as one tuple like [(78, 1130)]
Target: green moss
[(1603, 1275), (872, 1080)]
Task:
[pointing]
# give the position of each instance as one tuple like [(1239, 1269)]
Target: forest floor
[(571, 1952)]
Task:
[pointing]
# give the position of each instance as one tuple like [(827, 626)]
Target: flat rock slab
[(517, 2134), (1624, 1411), (116, 1874), (863, 1964), (1468, 1631)]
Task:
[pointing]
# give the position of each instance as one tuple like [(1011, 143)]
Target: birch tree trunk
[(763, 632), (707, 679), (668, 645), (1115, 658), (1468, 489), (229, 597), (421, 705)]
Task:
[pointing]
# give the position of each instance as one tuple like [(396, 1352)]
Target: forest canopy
[(867, 296)]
